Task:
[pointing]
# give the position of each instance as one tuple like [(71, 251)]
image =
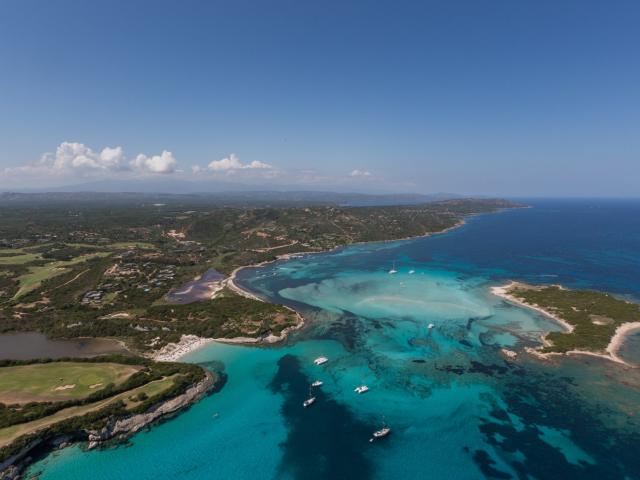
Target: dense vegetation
[(595, 316), (102, 267)]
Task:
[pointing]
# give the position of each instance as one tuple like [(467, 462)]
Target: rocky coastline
[(122, 428), (116, 429)]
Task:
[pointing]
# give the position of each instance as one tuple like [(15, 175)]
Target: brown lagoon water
[(27, 345)]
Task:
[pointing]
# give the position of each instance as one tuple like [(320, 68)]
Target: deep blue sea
[(457, 407)]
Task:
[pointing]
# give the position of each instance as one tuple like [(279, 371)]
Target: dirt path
[(72, 280)]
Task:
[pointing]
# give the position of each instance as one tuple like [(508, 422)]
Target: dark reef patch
[(486, 464), (346, 331), (545, 400), (316, 448)]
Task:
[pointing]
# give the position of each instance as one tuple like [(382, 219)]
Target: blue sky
[(475, 97)]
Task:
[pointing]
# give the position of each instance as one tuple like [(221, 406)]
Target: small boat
[(411, 272), (309, 401), (320, 360), (317, 383), (361, 389), (383, 432), (431, 326), (393, 269)]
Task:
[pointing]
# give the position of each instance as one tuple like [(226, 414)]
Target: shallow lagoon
[(29, 345), (458, 409)]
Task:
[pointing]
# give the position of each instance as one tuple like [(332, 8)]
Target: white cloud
[(360, 173), (232, 162), (73, 155), (73, 158), (163, 163)]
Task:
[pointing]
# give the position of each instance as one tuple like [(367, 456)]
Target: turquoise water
[(458, 409)]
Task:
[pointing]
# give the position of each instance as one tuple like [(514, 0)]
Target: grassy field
[(59, 381), (20, 259), (9, 434), (114, 245), (36, 275)]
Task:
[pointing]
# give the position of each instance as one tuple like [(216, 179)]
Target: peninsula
[(117, 266), (594, 323)]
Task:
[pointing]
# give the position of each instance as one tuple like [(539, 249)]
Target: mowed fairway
[(9, 434), (59, 381), (20, 259), (37, 274)]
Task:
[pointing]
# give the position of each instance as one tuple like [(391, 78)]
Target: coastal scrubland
[(103, 268), (592, 319)]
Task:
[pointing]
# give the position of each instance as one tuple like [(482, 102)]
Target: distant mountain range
[(239, 192), (251, 198)]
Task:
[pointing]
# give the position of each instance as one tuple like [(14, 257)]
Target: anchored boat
[(383, 432)]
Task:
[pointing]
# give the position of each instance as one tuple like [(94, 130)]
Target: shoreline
[(619, 338), (173, 352), (116, 428), (188, 344), (614, 345), (503, 292), (230, 281)]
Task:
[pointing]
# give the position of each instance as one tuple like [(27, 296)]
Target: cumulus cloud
[(360, 173), (73, 155), (232, 162), (73, 158), (163, 163)]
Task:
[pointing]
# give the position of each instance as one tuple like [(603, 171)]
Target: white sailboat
[(383, 432), (317, 383), (309, 401), (320, 360), (393, 269)]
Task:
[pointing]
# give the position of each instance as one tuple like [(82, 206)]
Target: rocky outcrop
[(124, 427), (9, 469)]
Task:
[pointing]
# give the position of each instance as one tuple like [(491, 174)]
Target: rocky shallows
[(594, 323)]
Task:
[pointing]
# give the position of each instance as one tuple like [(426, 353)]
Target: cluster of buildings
[(160, 278), (82, 236), (93, 296), (145, 276)]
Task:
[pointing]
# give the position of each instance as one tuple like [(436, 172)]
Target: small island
[(594, 323)]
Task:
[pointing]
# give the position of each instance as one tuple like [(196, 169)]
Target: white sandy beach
[(503, 292), (172, 352), (618, 339)]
